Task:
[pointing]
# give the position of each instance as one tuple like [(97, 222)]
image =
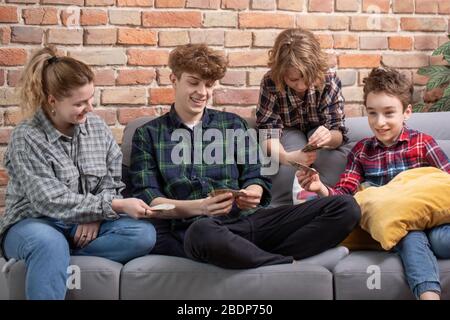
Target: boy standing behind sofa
[(377, 160)]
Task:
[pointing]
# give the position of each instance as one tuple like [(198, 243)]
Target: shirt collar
[(309, 95), (177, 123), (51, 132), (404, 136)]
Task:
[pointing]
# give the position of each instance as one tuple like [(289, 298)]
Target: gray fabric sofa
[(162, 277)]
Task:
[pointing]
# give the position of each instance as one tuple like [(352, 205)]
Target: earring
[(53, 112)]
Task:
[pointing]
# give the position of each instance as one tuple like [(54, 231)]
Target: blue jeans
[(417, 251), (440, 241), (43, 244)]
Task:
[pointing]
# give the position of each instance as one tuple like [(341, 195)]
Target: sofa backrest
[(128, 137), (433, 123)]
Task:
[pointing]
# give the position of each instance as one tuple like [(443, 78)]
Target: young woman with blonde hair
[(64, 166)]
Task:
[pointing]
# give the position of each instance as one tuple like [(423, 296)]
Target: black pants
[(268, 237)]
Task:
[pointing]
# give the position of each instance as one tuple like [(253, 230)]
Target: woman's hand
[(135, 208), (85, 233)]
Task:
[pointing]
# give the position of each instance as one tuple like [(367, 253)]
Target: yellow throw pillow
[(415, 199), (359, 239)]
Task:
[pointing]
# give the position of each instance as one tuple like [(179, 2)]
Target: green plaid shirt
[(159, 169)]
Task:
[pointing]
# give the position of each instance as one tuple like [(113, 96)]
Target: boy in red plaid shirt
[(377, 160)]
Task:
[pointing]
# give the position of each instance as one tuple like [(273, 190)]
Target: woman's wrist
[(117, 205)]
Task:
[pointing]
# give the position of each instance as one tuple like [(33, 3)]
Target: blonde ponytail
[(46, 74), (31, 92)]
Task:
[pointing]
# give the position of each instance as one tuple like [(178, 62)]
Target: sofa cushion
[(355, 277), (99, 279), (3, 286), (445, 146), (416, 199), (126, 151), (128, 137), (291, 140), (163, 277), (433, 123), (359, 239)]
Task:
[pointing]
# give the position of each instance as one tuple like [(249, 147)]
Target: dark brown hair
[(200, 59), (47, 74), (391, 82)]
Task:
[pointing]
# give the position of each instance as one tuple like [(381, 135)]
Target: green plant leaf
[(436, 81), (444, 50), (419, 107), (433, 70), (438, 77), (446, 92), (441, 105)]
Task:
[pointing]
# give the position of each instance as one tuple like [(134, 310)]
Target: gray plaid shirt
[(73, 179)]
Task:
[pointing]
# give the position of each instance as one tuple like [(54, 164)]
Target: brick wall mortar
[(131, 54)]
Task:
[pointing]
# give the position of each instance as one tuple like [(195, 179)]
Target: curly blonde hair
[(200, 59), (297, 48)]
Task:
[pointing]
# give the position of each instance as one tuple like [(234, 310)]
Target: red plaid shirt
[(322, 106), (373, 163)]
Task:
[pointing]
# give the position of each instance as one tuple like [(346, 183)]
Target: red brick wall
[(127, 42)]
